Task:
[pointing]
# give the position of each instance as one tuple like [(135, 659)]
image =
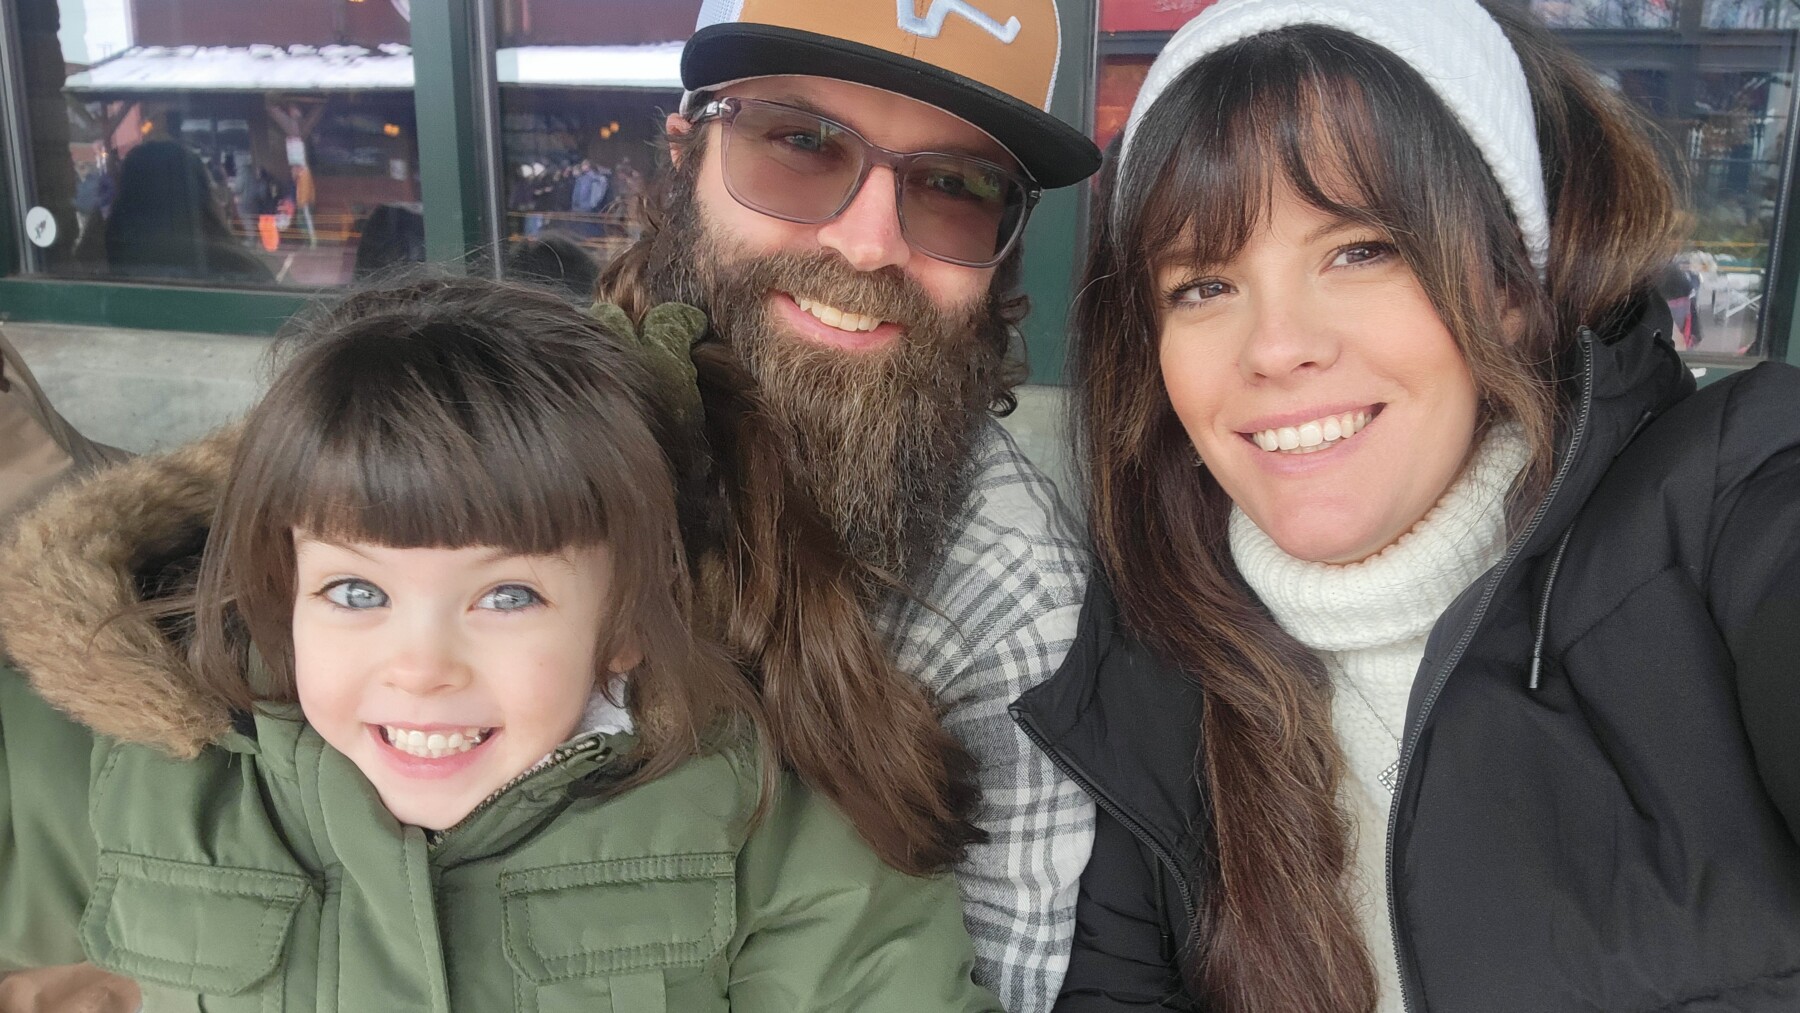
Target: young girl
[(432, 729)]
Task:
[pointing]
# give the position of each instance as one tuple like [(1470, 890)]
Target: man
[(848, 186)]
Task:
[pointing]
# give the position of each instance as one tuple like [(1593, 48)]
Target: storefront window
[(219, 142), (1717, 80), (584, 87), (1607, 13)]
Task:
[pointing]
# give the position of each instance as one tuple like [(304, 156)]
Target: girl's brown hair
[(460, 412), (1356, 133), (794, 606)]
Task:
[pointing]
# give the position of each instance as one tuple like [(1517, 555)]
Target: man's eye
[(803, 141), (509, 598), (973, 186), (355, 594)]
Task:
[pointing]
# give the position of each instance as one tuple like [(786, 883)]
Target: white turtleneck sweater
[(1369, 622)]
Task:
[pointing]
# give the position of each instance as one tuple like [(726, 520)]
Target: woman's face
[(1317, 383)]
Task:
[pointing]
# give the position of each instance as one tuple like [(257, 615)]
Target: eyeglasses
[(801, 167)]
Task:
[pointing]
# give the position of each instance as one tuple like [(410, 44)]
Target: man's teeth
[(831, 316), (434, 745), (1315, 435)]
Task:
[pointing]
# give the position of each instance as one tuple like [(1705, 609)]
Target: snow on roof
[(249, 68), (655, 65), (145, 69)]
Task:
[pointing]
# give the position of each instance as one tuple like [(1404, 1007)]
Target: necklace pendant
[(1390, 776)]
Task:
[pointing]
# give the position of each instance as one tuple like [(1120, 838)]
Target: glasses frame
[(725, 110)]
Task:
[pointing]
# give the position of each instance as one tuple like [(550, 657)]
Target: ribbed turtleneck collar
[(1398, 593)]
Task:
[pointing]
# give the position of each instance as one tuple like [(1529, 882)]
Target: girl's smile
[(443, 674)]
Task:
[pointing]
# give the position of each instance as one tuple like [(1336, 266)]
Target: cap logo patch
[(932, 23)]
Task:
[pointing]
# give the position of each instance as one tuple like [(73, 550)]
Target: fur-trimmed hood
[(73, 568)]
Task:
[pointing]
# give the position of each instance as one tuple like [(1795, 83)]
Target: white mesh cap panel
[(719, 12)]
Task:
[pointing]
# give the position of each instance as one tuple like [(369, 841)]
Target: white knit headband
[(1454, 45)]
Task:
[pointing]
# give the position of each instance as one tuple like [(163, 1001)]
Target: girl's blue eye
[(509, 598), (356, 595)]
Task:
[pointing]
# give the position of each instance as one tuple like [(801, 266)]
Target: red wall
[(1148, 15), (596, 22), (276, 22)]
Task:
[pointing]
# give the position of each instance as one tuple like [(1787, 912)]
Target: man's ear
[(676, 126)]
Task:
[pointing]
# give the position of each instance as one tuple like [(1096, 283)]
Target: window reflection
[(584, 88), (220, 142), (1717, 79)]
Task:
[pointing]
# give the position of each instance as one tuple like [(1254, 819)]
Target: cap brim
[(1054, 153)]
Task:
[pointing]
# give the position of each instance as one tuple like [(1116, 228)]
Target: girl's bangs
[(409, 446)]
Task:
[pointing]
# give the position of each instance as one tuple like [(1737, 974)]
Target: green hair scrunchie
[(665, 341)]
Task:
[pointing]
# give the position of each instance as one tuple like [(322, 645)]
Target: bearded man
[(847, 188)]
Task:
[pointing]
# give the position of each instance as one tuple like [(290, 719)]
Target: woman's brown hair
[(1356, 133), (459, 412), (794, 606)]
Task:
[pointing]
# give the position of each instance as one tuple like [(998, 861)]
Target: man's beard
[(882, 440)]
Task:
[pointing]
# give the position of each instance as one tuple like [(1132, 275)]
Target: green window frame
[(458, 136)]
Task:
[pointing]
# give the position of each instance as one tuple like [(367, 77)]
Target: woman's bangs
[(1257, 119)]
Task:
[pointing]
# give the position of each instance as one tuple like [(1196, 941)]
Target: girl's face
[(1317, 383), (445, 673)]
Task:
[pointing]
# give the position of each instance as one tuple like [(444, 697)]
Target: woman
[(1451, 665)]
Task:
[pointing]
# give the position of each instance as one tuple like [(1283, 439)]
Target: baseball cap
[(990, 62)]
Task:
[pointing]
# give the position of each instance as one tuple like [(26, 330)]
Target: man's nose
[(867, 235)]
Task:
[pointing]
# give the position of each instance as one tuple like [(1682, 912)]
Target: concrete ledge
[(142, 390), (148, 390)]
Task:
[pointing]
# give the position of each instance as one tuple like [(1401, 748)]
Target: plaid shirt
[(1009, 589)]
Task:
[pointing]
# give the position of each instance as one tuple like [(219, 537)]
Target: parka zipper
[(558, 757), (1086, 784), (1576, 439)]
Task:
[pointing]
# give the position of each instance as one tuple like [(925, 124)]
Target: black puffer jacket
[(1613, 828)]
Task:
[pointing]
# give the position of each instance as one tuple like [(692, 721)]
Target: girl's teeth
[(434, 745), (1311, 436)]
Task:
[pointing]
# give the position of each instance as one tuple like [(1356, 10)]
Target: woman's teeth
[(1315, 435), (831, 316), (434, 745)]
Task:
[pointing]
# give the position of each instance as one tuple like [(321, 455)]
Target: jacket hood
[(72, 573)]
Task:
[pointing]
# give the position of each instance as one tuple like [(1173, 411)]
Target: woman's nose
[(1288, 336)]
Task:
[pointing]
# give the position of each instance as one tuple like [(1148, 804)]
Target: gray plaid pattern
[(1009, 589)]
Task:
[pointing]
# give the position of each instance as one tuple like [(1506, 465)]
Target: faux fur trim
[(68, 576)]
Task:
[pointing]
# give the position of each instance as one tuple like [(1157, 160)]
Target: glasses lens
[(789, 163), (960, 209)]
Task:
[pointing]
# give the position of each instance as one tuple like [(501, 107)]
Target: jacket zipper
[(1576, 438), (1086, 783), (559, 756)]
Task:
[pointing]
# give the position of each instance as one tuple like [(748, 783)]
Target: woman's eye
[(1196, 292), (509, 598), (355, 594), (1362, 253)]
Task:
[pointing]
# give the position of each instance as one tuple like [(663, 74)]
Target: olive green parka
[(238, 864)]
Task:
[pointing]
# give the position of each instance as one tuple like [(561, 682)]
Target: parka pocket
[(622, 930), (212, 936)]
